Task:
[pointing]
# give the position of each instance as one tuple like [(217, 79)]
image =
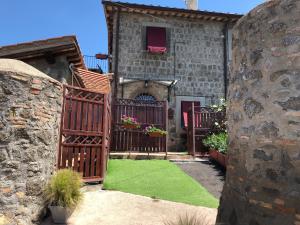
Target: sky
[(29, 20)]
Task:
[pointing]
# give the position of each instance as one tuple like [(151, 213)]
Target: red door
[(185, 107)]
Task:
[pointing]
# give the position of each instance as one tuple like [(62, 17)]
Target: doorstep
[(157, 156)]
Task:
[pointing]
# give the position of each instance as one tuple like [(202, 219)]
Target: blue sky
[(28, 20)]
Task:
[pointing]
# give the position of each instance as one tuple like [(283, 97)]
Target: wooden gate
[(85, 133), (201, 122), (135, 140)]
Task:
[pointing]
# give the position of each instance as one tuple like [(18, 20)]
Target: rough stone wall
[(263, 178), (199, 53), (30, 107), (133, 89), (59, 69), (199, 66)]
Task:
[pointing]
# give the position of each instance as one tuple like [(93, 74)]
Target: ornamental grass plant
[(64, 189)]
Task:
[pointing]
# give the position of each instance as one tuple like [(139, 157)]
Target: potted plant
[(217, 144), (129, 122), (63, 194), (153, 131)]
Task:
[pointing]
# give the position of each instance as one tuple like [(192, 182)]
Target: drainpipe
[(116, 69), (225, 39)]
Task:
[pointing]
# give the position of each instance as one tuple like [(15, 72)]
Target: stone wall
[(58, 68), (30, 107), (199, 53), (263, 178), (195, 57), (133, 89)]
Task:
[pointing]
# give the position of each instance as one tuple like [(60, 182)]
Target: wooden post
[(193, 131), (103, 150), (166, 126), (58, 156)]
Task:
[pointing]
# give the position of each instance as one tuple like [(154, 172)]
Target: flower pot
[(60, 214), (221, 159), (130, 126), (213, 154), (156, 134)]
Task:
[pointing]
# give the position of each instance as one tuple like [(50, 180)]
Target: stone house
[(178, 55), (51, 56)]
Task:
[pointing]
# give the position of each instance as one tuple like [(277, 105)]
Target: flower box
[(213, 154), (219, 157), (222, 159), (129, 122), (156, 134), (130, 126)]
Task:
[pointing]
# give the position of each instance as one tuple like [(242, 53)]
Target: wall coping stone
[(13, 66)]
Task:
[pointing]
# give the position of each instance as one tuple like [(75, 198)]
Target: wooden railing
[(135, 140), (201, 122)]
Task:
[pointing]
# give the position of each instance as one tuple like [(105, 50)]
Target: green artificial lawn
[(157, 179)]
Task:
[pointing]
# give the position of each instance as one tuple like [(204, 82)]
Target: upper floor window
[(156, 40)]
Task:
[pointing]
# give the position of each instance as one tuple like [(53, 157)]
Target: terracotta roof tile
[(94, 81)]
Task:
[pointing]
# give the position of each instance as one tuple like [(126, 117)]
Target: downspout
[(225, 34), (116, 69)]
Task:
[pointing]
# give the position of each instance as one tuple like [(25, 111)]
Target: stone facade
[(57, 69), (30, 104), (194, 57), (263, 178)]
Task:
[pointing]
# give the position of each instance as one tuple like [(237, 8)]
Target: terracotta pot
[(221, 159), (155, 134), (130, 126), (213, 154)]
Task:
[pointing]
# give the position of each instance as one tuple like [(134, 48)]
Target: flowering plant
[(152, 129), (127, 120), (217, 141), (220, 107)]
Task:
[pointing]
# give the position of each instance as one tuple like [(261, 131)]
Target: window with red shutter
[(156, 40)]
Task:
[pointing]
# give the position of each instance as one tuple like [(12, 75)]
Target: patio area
[(118, 208)]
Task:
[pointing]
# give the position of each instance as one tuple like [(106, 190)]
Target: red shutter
[(156, 40), (185, 107)]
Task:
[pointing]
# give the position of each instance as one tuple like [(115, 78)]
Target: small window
[(145, 97), (156, 40), (185, 107)]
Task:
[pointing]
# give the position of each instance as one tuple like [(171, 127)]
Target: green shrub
[(188, 220), (217, 141), (64, 189)]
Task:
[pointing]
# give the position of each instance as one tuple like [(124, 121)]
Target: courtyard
[(150, 192)]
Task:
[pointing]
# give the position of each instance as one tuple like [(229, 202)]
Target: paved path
[(209, 175), (118, 208)]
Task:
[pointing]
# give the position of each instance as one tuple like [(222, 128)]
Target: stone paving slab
[(208, 174), (118, 208)]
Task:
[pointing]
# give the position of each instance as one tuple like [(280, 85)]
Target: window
[(146, 97), (156, 40), (185, 107)]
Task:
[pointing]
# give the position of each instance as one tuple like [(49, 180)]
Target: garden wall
[(263, 176), (30, 107)]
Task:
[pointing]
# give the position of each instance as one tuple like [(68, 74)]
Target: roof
[(110, 7), (170, 11), (65, 45), (93, 81)]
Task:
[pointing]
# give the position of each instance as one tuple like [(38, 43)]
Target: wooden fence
[(85, 132), (201, 123), (135, 140)]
